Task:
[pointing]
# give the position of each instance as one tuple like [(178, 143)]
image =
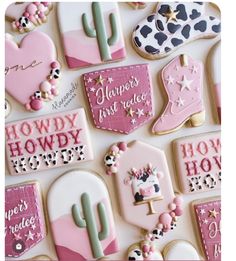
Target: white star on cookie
[(185, 84), (89, 80), (170, 80), (205, 221), (92, 89), (30, 236), (133, 121), (139, 112), (179, 102), (110, 80), (33, 226), (202, 211)]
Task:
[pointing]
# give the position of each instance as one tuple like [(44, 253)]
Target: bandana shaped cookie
[(171, 26)]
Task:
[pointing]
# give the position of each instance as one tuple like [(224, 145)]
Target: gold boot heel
[(197, 119)]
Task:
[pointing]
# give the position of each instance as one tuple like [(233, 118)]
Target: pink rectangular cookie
[(24, 218), (47, 142), (208, 218), (120, 98), (198, 162)]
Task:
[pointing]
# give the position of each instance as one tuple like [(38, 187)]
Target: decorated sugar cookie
[(91, 34), (171, 26), (81, 218), (214, 65), (120, 98), (24, 218), (180, 250), (207, 213), (144, 187), (198, 162), (25, 16), (7, 108), (47, 142), (182, 80), (31, 70)]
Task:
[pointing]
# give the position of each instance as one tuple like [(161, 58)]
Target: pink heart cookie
[(120, 98), (208, 217), (25, 16), (31, 70), (24, 218)]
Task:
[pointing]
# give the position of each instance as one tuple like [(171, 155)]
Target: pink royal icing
[(144, 186), (208, 216), (198, 162), (120, 98), (47, 142), (24, 219), (32, 59)]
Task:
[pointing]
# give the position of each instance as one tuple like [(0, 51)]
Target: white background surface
[(101, 140)]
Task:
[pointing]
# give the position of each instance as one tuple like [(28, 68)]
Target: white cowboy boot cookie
[(171, 26)]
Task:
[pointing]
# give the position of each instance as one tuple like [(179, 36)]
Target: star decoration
[(148, 113), (194, 69), (30, 236), (147, 103), (110, 80), (130, 112), (89, 80), (17, 236), (170, 80), (185, 84), (202, 211), (39, 235), (99, 80), (92, 89), (133, 121), (213, 213), (205, 221), (171, 15), (33, 226), (139, 112), (179, 102)]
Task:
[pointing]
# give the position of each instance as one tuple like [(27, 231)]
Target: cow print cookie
[(182, 80), (144, 187), (81, 218), (207, 213), (120, 98), (24, 218), (25, 16), (171, 26), (91, 34), (47, 142), (31, 70), (198, 162)]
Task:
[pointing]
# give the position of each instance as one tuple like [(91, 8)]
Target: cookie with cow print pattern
[(47, 142), (144, 187), (172, 26)]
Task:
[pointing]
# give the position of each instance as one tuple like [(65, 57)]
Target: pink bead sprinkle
[(54, 65)]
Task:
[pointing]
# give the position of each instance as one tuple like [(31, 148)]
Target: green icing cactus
[(89, 222), (100, 31)]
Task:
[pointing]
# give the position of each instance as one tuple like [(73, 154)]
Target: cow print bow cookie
[(173, 25)]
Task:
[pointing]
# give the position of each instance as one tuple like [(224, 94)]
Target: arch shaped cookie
[(81, 217)]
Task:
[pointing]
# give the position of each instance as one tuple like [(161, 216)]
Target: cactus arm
[(87, 29), (114, 31), (79, 221), (104, 233)]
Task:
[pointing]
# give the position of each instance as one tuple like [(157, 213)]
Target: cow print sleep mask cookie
[(171, 26), (144, 187)]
